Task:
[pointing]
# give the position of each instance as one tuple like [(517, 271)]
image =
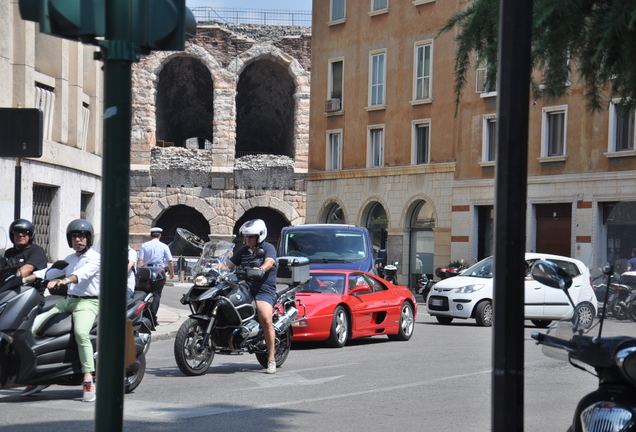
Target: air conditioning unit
[(332, 105)]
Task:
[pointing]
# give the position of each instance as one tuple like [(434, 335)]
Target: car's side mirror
[(550, 274), (360, 289)]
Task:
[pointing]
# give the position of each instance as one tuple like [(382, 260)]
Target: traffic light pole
[(118, 55)]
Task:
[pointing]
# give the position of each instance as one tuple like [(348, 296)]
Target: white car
[(469, 295)]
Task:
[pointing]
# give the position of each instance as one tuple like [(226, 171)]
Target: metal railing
[(253, 16)]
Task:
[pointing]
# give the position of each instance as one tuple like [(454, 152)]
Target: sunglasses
[(251, 236)]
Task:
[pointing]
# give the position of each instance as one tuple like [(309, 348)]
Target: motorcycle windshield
[(214, 254)]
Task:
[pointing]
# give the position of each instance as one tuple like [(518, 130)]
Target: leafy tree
[(598, 37)]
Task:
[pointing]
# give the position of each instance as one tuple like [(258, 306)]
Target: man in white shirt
[(154, 253), (81, 276)]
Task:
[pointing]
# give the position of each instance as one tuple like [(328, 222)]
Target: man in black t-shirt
[(29, 256)]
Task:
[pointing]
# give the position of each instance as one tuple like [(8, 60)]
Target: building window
[(489, 139), (376, 146), (421, 141), (42, 204), (334, 150), (483, 70), (621, 128), (45, 100), (554, 131), (379, 4), (337, 10), (377, 78), (422, 82), (334, 94), (335, 215)]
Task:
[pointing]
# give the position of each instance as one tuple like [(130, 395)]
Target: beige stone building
[(61, 78), (220, 132), (387, 152)]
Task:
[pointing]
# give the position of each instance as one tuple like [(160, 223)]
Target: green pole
[(118, 55)]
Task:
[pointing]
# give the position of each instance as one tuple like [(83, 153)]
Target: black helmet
[(22, 224), (80, 226)]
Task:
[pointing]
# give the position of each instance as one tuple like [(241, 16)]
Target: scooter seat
[(59, 324), (50, 301)]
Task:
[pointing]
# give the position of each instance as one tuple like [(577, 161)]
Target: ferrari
[(341, 305)]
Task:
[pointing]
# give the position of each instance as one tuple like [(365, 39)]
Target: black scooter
[(50, 357), (612, 407)]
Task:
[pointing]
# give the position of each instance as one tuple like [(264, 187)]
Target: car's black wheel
[(483, 314), (136, 374), (541, 323), (585, 315), (444, 320), (283, 345), (339, 328), (407, 323), (192, 356)]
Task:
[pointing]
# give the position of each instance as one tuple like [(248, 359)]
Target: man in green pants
[(82, 278)]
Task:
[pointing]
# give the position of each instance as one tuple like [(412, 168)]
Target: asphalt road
[(440, 380)]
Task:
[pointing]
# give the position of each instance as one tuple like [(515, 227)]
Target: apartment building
[(61, 78), (389, 151)]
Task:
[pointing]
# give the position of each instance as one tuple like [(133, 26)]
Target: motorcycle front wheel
[(193, 358), (283, 345)]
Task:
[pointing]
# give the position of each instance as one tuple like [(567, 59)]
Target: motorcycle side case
[(292, 270), (622, 396), (150, 279)]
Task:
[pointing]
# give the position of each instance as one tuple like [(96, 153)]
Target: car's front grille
[(438, 303)]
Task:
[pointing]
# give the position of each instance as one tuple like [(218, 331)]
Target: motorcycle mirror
[(59, 265), (550, 274), (259, 253)]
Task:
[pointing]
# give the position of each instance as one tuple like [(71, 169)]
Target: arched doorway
[(181, 216), (377, 223), (422, 241), (274, 221), (335, 215)]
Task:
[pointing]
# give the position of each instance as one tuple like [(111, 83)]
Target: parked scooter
[(51, 356), (390, 273), (223, 319), (424, 285), (610, 355)]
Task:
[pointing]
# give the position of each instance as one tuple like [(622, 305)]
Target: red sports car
[(345, 304)]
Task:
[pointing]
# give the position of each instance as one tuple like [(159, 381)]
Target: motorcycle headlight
[(469, 288), (201, 280), (605, 417)]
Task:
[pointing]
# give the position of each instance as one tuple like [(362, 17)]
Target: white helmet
[(254, 227)]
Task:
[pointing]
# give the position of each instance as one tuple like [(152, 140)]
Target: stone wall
[(213, 180)]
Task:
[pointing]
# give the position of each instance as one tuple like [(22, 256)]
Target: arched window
[(335, 215), (377, 223), (422, 241)]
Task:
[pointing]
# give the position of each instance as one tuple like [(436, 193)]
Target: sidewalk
[(169, 322)]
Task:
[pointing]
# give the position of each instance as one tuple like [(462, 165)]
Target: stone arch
[(284, 208), (366, 206), (327, 206), (411, 204), (159, 207), (274, 220)]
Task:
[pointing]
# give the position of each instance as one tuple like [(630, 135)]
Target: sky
[(254, 4)]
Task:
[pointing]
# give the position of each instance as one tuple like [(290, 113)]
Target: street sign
[(21, 132)]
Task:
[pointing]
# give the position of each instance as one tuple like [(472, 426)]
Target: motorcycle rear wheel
[(192, 358), (283, 345), (132, 380)]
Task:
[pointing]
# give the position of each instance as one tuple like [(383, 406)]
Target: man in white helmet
[(263, 290)]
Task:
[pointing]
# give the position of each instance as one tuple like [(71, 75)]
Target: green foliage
[(598, 37)]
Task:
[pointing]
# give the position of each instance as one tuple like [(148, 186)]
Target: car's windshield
[(482, 269), (333, 245), (326, 283)]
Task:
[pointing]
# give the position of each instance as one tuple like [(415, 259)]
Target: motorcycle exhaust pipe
[(286, 320)]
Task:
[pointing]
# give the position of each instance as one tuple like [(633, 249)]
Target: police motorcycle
[(51, 357), (223, 319), (606, 350)]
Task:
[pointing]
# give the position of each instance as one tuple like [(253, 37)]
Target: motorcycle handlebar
[(552, 341)]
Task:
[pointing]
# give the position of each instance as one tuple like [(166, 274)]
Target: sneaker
[(89, 391), (271, 367), (32, 389)]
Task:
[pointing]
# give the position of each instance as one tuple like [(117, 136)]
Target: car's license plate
[(437, 302)]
